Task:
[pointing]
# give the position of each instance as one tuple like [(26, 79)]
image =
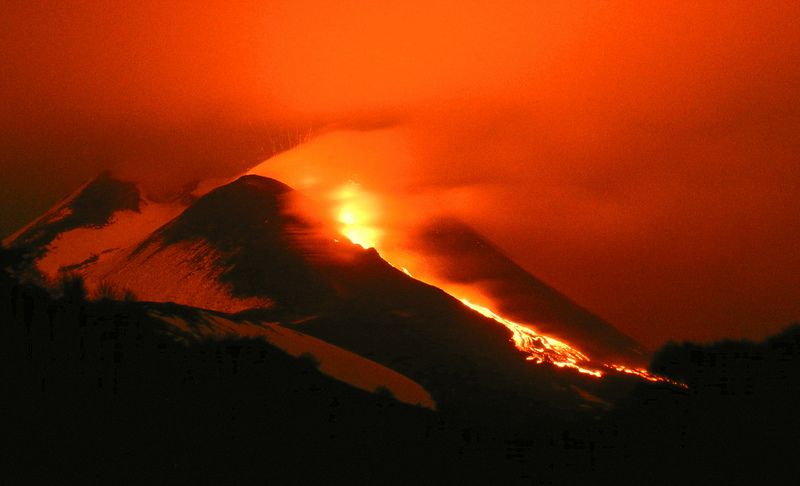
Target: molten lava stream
[(539, 348), (356, 217), (545, 349)]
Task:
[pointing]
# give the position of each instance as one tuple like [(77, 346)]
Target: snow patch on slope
[(334, 361), (185, 272), (77, 248)]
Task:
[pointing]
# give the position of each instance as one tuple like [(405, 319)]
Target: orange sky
[(640, 156)]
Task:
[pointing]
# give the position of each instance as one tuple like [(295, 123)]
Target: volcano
[(248, 263), (463, 256)]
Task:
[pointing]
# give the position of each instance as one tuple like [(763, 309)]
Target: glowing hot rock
[(356, 214), (538, 347)]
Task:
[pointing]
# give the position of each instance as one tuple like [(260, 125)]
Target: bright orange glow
[(545, 349), (355, 214), (377, 220), (643, 373), (358, 224), (540, 348)]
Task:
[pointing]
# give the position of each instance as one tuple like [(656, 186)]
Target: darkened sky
[(643, 157)]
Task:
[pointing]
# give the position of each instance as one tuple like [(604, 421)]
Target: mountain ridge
[(240, 249)]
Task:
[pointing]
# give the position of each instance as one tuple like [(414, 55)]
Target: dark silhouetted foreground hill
[(100, 392), (736, 423)]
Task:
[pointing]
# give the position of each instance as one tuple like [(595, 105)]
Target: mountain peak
[(91, 205), (261, 182), (239, 211)]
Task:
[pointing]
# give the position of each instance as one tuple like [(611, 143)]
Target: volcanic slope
[(239, 249), (456, 253)]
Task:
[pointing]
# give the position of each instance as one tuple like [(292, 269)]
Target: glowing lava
[(356, 216), (545, 349), (538, 347)]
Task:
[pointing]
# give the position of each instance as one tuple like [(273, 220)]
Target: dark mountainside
[(240, 248), (463, 256), (99, 391), (245, 222), (352, 298)]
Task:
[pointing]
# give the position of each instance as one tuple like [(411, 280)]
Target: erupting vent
[(357, 220)]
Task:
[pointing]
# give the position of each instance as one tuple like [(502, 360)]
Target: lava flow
[(540, 348), (356, 218)]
